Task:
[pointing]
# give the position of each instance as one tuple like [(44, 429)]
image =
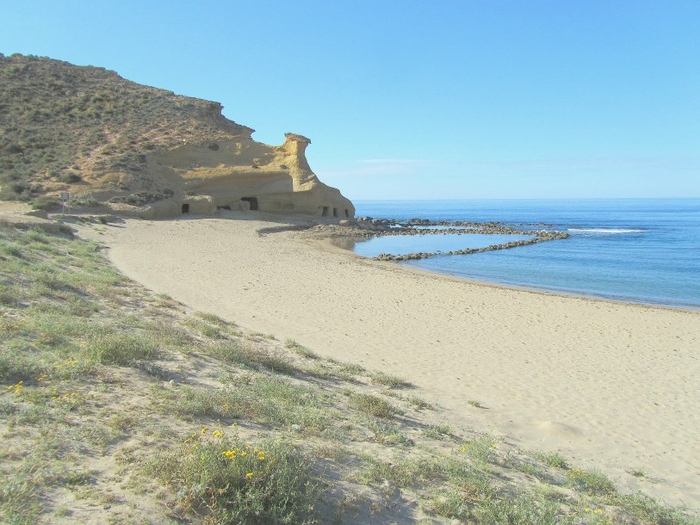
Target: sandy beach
[(611, 386)]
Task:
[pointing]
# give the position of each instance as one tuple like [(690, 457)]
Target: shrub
[(122, 349), (373, 406), (69, 178), (523, 508), (553, 459), (47, 202), (235, 482), (389, 380), (591, 482)]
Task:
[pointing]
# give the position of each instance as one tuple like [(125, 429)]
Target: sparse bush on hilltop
[(83, 122)]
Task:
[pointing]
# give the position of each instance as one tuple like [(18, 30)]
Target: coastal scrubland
[(86, 130), (120, 405)]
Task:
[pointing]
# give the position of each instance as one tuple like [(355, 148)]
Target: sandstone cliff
[(112, 143)]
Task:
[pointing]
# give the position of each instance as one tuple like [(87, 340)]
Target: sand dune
[(610, 385)]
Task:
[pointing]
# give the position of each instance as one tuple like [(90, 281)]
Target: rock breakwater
[(416, 226), (367, 227)]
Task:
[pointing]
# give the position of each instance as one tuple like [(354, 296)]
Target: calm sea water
[(637, 250)]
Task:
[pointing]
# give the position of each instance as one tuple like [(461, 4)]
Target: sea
[(634, 250)]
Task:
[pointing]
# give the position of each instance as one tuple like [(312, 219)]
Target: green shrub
[(521, 509), (122, 348), (552, 459), (234, 482), (372, 406), (299, 349), (389, 380), (480, 450), (647, 509), (46, 202), (591, 482), (69, 178)]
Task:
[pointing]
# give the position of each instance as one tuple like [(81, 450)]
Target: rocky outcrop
[(241, 174), (139, 150)]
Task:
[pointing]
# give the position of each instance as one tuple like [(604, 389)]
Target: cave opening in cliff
[(335, 212), (253, 202), (325, 211), (347, 213), (185, 208)]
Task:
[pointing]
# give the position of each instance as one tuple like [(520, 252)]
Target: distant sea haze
[(635, 250)]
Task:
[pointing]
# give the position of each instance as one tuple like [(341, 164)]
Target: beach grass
[(117, 405)]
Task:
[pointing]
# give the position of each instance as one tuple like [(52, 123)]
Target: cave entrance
[(185, 208), (253, 202), (325, 211)]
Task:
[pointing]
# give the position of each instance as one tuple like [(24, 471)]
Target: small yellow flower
[(204, 430), (249, 475), (217, 433), (17, 387)]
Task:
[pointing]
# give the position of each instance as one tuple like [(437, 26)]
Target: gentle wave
[(636, 250), (605, 230)]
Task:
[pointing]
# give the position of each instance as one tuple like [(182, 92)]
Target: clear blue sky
[(431, 99)]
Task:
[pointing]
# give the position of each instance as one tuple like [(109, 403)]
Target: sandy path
[(612, 386)]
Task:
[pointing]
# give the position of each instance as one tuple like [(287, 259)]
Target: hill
[(114, 143)]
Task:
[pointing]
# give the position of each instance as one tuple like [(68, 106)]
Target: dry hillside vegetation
[(121, 406), (64, 126)]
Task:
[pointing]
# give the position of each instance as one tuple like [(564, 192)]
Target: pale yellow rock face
[(142, 151), (242, 174)]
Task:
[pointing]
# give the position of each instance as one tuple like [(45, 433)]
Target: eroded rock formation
[(242, 174), (139, 150)]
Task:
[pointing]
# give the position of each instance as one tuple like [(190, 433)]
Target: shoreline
[(611, 385), (330, 245)]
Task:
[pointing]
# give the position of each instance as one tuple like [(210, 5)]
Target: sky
[(419, 99)]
